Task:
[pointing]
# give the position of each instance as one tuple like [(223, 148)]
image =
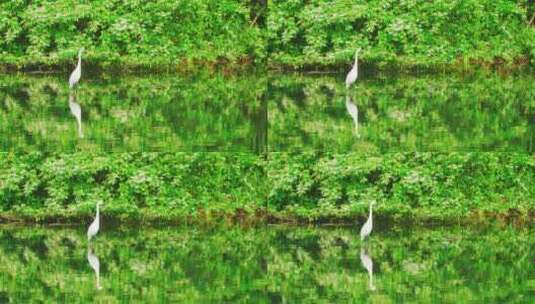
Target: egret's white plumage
[(76, 111), (77, 73), (368, 226), (95, 264), (367, 262), (353, 112), (95, 225), (354, 72)]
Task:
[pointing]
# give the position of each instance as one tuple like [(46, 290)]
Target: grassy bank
[(309, 187), (325, 34)]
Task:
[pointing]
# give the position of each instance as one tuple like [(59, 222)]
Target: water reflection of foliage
[(478, 112), (157, 265), (128, 113), (266, 265)]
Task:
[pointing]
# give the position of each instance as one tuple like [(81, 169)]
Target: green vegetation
[(139, 186), (275, 265), (181, 34), (171, 34), (479, 111), (284, 187), (428, 149), (419, 186), (408, 33), (202, 112)]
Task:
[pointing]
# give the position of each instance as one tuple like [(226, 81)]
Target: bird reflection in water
[(95, 264), (76, 111), (353, 112), (367, 262)]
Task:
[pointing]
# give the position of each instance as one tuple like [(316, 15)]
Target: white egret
[(354, 73), (77, 73), (95, 225), (95, 264), (76, 111), (353, 112), (367, 262), (368, 226)]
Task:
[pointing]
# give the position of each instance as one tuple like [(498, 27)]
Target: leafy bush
[(436, 185), (288, 32), (164, 183), (324, 32), (306, 185), (133, 32)]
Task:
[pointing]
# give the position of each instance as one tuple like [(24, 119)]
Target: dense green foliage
[(405, 185), (480, 111), (162, 32), (307, 186), (412, 32), (294, 33), (299, 265), (168, 185), (202, 112)]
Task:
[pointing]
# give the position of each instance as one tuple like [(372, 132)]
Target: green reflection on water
[(383, 113), (440, 112), (133, 113), (268, 265)]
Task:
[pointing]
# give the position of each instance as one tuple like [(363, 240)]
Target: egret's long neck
[(79, 61), (98, 214), (356, 64), (371, 211)]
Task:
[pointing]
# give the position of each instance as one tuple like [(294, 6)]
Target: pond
[(387, 112), (272, 264), (259, 112), (131, 113)]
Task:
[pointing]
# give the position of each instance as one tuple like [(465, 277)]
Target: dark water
[(254, 112), (267, 265)]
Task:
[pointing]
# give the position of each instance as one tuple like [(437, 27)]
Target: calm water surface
[(397, 112), (132, 113), (267, 265), (483, 111)]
